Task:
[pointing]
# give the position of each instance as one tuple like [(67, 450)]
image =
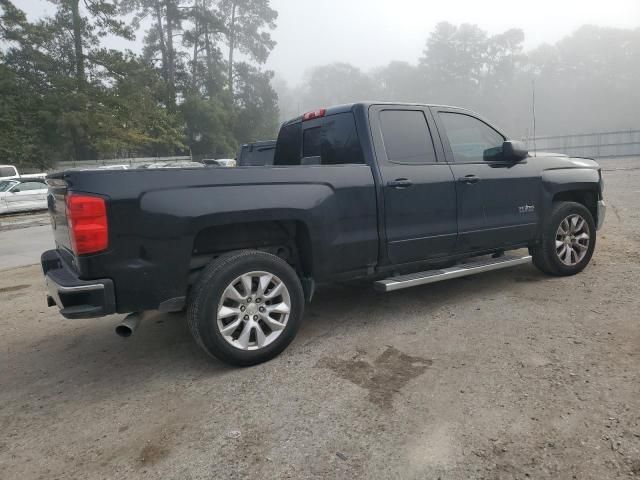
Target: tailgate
[(57, 206)]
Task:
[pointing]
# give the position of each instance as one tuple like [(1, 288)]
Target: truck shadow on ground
[(88, 351), (335, 307)]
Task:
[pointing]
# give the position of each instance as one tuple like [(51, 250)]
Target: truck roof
[(348, 107), (259, 144)]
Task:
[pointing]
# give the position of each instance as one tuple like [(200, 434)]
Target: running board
[(462, 270)]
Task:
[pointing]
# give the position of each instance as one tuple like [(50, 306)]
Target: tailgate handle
[(400, 183)]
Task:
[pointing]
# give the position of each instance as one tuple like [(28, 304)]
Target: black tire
[(207, 293), (544, 254)]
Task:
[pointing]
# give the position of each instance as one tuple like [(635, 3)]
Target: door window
[(471, 140), (406, 137), (7, 185), (29, 186)]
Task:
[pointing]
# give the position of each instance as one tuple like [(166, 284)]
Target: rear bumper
[(602, 212), (74, 297)]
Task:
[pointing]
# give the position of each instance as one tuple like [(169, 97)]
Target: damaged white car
[(22, 195)]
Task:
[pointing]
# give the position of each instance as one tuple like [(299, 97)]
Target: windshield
[(6, 185)]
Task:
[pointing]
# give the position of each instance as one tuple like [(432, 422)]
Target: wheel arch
[(587, 197), (288, 239), (580, 185)]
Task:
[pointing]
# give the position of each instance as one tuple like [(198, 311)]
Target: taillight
[(315, 114), (88, 227)]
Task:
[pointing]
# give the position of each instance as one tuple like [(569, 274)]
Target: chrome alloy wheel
[(254, 310), (572, 240)]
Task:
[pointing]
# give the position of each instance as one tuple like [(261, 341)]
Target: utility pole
[(533, 85)]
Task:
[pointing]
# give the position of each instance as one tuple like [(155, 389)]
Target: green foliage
[(337, 83), (209, 125), (63, 95), (248, 26), (256, 112), (19, 141)]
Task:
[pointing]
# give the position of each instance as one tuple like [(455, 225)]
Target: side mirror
[(15, 190), (514, 151)]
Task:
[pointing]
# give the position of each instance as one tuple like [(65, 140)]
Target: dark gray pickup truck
[(402, 194)]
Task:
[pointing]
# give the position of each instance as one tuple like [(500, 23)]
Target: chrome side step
[(462, 270)]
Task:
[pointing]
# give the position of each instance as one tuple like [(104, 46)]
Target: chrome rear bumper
[(74, 297)]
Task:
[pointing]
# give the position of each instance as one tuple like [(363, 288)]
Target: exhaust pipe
[(129, 325)]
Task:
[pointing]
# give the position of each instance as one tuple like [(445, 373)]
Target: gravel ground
[(506, 375), (17, 221)]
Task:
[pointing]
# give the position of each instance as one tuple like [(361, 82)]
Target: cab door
[(497, 198), (418, 189)]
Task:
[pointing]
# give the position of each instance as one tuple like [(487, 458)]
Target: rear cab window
[(330, 140)]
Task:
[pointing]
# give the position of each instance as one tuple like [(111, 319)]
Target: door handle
[(469, 179), (400, 183)]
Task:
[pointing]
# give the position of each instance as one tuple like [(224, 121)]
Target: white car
[(221, 162), (113, 167), (8, 171), (22, 195)]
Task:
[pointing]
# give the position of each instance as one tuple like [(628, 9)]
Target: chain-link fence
[(624, 143)]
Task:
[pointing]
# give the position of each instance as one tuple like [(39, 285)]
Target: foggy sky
[(371, 33)]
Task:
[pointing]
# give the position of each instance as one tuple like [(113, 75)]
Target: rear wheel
[(246, 307), (568, 240)]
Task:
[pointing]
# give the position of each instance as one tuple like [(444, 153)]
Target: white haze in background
[(371, 33)]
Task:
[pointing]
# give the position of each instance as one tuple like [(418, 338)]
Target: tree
[(21, 136), (256, 112), (455, 54), (334, 84), (245, 23), (100, 19), (167, 23), (584, 77), (209, 126), (46, 116), (206, 64), (504, 55), (400, 81), (216, 118)]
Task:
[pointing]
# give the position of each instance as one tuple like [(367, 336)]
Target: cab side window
[(406, 136), (471, 140)]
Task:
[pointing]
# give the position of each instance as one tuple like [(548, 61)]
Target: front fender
[(573, 183), (570, 179)]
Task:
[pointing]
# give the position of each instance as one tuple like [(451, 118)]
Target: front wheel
[(246, 307), (568, 240)]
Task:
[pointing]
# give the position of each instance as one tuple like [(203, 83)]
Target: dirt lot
[(507, 375)]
